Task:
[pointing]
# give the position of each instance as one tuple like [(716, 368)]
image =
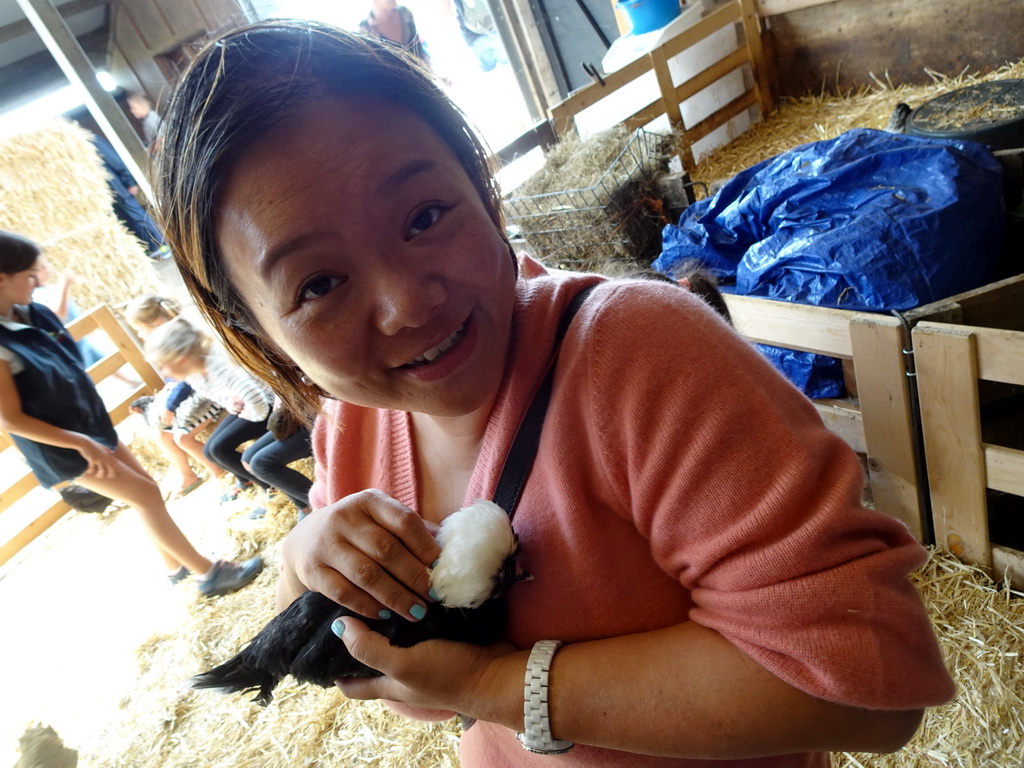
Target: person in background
[(142, 110), (181, 351), (178, 414), (706, 587), (479, 32), (393, 22), (268, 458), (52, 409), (56, 294), (124, 189)]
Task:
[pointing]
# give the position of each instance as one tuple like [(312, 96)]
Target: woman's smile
[(380, 274)]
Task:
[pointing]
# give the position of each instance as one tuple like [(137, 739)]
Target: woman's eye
[(319, 286), (425, 219)]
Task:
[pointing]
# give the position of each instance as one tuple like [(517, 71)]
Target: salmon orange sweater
[(678, 478)]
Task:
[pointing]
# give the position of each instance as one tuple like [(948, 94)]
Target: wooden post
[(669, 102), (752, 31), (947, 380), (889, 435)]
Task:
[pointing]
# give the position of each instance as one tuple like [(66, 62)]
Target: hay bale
[(814, 118), (53, 184)]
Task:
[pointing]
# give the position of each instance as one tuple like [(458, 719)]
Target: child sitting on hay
[(179, 414)]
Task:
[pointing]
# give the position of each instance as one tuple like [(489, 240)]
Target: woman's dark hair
[(17, 253), (239, 87)]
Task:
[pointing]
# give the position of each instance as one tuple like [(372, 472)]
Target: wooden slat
[(727, 14), (33, 530), (722, 116), (1009, 562), (947, 374), (104, 367), (128, 347), (1004, 469), (996, 305), (889, 434), (796, 326), (669, 105), (589, 95), (562, 114), (845, 420), (711, 75), (15, 492), (1000, 355), (83, 325), (778, 7)]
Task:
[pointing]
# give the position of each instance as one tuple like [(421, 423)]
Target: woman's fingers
[(367, 552)]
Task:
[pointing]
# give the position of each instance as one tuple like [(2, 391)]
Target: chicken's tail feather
[(235, 676)]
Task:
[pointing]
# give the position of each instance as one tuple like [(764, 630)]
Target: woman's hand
[(367, 552), (102, 464), (436, 674)]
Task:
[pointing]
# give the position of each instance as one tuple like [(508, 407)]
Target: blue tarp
[(867, 221)]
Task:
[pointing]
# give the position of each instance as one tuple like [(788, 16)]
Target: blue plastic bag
[(867, 221)]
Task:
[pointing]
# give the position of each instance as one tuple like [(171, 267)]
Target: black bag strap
[(520, 456)]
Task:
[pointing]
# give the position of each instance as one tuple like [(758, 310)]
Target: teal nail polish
[(418, 611), (432, 594), (338, 627), (435, 563), (384, 613)]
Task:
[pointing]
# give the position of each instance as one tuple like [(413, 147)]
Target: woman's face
[(367, 257), (17, 287)]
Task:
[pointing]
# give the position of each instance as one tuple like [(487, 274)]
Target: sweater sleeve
[(752, 505)]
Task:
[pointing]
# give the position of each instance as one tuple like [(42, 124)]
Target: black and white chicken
[(471, 579)]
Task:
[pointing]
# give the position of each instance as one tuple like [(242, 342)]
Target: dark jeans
[(269, 459), (222, 447)]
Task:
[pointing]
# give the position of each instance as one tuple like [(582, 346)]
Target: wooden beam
[(17, 490), (843, 419), (24, 26), (76, 66), (796, 326), (36, 528), (1004, 469), (777, 7), (1008, 562)]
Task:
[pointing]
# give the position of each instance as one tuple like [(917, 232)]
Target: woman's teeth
[(432, 354)]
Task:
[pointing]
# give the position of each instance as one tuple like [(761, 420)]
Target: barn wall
[(148, 36), (835, 46)]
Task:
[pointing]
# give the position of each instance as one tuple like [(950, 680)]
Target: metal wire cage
[(610, 219)]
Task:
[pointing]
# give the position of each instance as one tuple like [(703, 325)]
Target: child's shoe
[(229, 576)]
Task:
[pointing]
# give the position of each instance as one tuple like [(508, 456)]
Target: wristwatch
[(536, 735)]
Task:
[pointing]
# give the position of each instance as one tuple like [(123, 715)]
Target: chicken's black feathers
[(299, 642)]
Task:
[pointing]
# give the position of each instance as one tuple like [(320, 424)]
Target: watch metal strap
[(536, 735)]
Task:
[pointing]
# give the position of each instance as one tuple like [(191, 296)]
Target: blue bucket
[(648, 15)]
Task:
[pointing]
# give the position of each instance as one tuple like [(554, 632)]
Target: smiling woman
[(692, 596)]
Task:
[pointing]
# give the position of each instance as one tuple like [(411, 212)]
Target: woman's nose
[(406, 300)]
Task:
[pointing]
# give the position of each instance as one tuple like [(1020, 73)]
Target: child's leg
[(134, 486), (222, 446), (268, 460), (190, 443), (177, 457)]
